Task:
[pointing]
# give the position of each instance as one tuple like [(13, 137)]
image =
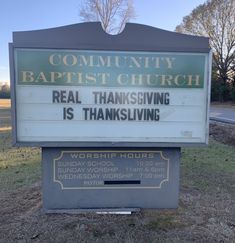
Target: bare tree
[(113, 14), (215, 19)]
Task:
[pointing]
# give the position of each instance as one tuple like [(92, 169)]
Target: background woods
[(216, 20)]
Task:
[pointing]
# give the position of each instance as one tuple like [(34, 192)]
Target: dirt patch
[(199, 218), (228, 104), (202, 216), (223, 132)]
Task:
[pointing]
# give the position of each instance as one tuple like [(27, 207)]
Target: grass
[(208, 169), (164, 222), (18, 166), (5, 115), (5, 103)]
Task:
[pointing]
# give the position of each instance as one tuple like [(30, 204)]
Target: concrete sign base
[(110, 178)]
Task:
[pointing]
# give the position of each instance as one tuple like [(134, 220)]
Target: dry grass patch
[(5, 103), (5, 129)]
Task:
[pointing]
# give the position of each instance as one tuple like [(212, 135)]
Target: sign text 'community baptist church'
[(78, 95)]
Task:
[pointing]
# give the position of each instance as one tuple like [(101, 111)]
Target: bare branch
[(113, 14), (215, 19)]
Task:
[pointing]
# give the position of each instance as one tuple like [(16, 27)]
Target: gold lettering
[(68, 76), (195, 79), (133, 60), (90, 78), (117, 61), (55, 76), (146, 62), (79, 78), (169, 61), (152, 80), (27, 76), (104, 77), (157, 61), (122, 79), (86, 61), (70, 60), (179, 80), (41, 77), (166, 79), (55, 59), (105, 61), (136, 79)]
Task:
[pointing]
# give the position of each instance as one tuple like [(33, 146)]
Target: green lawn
[(205, 212), (208, 169), (18, 166)]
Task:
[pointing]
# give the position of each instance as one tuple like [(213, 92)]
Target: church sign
[(110, 112), (110, 96)]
